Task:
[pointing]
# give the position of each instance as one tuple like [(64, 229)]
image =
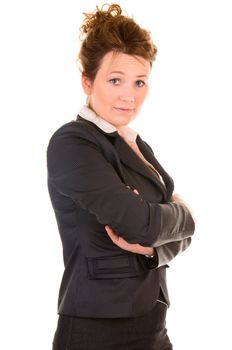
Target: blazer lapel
[(148, 154), (129, 158)]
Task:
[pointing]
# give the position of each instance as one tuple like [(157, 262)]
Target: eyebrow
[(119, 72)]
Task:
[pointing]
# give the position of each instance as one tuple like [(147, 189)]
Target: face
[(119, 88)]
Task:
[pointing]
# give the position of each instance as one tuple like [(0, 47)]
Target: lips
[(124, 109)]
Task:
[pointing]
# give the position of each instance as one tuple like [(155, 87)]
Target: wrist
[(151, 253)]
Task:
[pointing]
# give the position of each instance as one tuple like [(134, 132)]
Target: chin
[(124, 120)]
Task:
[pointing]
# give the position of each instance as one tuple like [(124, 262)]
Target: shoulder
[(76, 130), (79, 136)]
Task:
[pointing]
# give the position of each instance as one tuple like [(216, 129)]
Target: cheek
[(142, 96), (105, 94)]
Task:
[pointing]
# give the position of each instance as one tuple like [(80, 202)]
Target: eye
[(140, 83), (114, 81)]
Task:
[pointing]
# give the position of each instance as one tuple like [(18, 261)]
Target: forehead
[(127, 64)]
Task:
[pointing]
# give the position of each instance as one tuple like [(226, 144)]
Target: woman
[(118, 219)]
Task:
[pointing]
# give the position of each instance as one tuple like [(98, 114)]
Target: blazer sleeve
[(169, 251), (78, 169)]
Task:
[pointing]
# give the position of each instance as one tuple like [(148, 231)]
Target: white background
[(185, 120)]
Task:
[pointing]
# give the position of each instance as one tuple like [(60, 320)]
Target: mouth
[(122, 109)]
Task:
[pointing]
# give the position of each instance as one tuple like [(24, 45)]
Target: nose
[(127, 99)]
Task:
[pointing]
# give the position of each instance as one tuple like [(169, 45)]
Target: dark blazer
[(89, 172)]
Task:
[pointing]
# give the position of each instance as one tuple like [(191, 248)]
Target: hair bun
[(107, 29), (99, 17)]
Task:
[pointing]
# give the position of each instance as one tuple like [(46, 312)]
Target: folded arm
[(169, 251), (79, 170), (163, 254)]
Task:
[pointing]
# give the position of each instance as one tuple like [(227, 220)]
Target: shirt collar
[(91, 116), (125, 131)]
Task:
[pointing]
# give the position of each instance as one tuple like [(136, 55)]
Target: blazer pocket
[(122, 266)]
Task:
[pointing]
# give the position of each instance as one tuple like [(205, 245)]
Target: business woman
[(118, 219)]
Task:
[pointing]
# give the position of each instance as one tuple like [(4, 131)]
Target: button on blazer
[(91, 177)]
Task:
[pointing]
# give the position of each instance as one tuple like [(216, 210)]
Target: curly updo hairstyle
[(107, 29)]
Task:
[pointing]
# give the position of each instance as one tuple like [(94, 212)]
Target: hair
[(106, 30)]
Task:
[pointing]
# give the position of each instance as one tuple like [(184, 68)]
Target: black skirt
[(146, 332)]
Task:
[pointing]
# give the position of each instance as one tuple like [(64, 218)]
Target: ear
[(86, 84)]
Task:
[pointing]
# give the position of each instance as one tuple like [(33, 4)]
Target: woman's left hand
[(131, 247)]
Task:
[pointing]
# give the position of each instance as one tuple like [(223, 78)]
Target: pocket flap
[(121, 266)]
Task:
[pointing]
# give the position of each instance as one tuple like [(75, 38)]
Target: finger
[(110, 230), (113, 236), (136, 191)]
